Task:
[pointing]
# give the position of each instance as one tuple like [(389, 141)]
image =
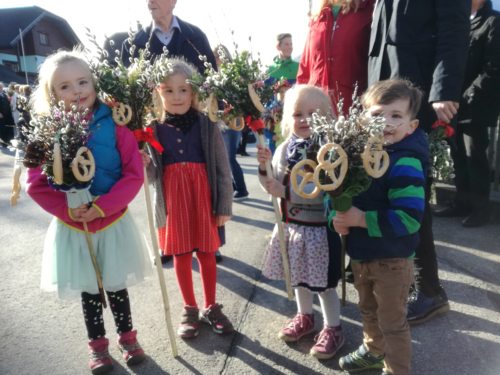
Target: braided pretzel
[(307, 177), (375, 158), (83, 165), (57, 167), (255, 98), (122, 114), (212, 108), (330, 168)]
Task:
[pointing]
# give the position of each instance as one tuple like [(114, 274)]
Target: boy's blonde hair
[(172, 67), (43, 95), (390, 90), (297, 95)]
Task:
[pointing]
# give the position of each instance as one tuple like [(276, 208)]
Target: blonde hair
[(294, 97), (174, 66), (316, 6), (43, 96)]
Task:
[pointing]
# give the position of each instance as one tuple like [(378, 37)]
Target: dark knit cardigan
[(218, 171)]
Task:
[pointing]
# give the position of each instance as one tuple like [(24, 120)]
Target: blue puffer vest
[(102, 143)]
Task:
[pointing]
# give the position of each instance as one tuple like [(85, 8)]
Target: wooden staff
[(343, 241), (159, 268), (16, 177), (98, 275), (279, 223), (83, 168)]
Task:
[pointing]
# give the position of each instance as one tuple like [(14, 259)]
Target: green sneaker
[(361, 360)]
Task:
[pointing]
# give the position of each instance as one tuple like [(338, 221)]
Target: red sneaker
[(99, 359), (328, 342), (214, 316), (131, 350), (190, 323), (296, 328)]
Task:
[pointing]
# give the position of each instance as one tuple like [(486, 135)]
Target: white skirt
[(67, 266)]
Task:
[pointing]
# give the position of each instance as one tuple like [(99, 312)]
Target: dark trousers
[(472, 170), (425, 255)]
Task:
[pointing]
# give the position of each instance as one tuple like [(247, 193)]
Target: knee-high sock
[(120, 306), (208, 272), (184, 274), (304, 299), (330, 307), (92, 314)]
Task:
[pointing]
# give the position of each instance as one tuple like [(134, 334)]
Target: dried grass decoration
[(126, 88), (345, 153), (56, 141), (239, 84)]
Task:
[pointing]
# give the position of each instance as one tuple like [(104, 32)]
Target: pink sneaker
[(300, 325), (131, 350), (99, 359), (328, 342)]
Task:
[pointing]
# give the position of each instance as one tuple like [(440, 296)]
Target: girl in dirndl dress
[(313, 249), (193, 187)]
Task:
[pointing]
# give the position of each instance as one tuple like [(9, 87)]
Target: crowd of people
[(412, 63), (13, 108)]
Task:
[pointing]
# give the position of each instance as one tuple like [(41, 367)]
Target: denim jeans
[(232, 141)]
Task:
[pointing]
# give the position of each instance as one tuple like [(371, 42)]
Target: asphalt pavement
[(41, 334)]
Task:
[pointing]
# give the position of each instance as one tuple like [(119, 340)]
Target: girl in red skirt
[(193, 184)]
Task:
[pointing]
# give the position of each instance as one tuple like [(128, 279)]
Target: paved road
[(43, 335)]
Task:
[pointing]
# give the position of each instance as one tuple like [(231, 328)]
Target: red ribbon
[(146, 135), (447, 128), (256, 125)]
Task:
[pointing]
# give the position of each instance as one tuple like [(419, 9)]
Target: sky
[(223, 21)]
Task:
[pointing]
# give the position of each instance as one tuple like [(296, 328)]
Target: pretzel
[(375, 158), (237, 123), (330, 168), (57, 167), (307, 177), (212, 108), (122, 114), (255, 98), (83, 165)]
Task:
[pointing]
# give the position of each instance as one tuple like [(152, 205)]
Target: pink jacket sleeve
[(52, 201)]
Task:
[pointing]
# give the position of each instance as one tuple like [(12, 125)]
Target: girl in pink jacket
[(122, 258)]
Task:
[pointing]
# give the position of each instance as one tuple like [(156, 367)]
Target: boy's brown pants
[(383, 286)]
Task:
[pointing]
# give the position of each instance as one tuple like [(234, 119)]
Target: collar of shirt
[(166, 37)]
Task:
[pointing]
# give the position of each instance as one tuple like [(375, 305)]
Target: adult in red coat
[(335, 55)]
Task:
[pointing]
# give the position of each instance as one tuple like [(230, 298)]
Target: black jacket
[(190, 42), (424, 41), (480, 104)]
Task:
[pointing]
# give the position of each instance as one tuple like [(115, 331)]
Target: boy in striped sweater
[(383, 229)]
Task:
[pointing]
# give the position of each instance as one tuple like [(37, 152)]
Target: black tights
[(92, 313)]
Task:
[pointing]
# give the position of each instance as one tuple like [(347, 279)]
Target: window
[(44, 39), (12, 65)]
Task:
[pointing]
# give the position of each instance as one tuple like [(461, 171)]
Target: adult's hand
[(445, 110)]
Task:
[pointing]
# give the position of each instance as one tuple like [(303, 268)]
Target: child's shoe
[(99, 359), (296, 328), (190, 323), (361, 360), (214, 316), (131, 350), (328, 342)]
